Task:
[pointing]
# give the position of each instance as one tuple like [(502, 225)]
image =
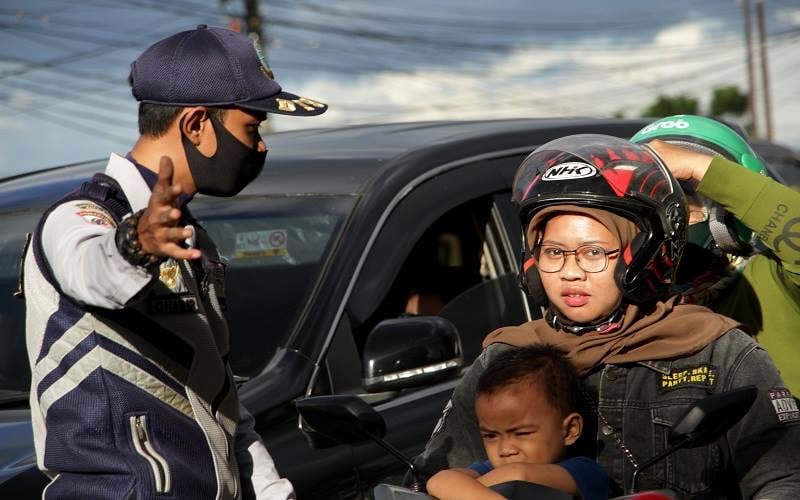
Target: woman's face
[(578, 295)]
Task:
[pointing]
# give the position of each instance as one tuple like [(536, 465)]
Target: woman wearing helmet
[(734, 208), (605, 226)]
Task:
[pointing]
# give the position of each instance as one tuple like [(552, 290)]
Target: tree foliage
[(728, 100), (666, 105)]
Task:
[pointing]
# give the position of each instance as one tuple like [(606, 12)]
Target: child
[(526, 403)]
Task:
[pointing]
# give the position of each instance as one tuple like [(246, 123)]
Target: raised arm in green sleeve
[(769, 208)]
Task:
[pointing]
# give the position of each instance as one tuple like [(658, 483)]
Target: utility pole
[(253, 20), (764, 68), (751, 80), (255, 23)]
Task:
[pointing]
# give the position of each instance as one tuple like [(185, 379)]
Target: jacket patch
[(784, 404), (702, 376)]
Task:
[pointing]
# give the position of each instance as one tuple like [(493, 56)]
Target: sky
[(64, 64)]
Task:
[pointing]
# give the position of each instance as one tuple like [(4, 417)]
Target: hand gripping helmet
[(616, 175), (711, 137)]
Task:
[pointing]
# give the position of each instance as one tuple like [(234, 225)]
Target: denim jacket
[(638, 405)]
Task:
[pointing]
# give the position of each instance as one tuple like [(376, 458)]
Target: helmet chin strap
[(607, 324)]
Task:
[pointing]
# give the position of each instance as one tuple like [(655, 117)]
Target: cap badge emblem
[(265, 69), (290, 105)]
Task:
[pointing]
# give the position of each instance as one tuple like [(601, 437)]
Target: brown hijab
[(665, 330), (622, 228)]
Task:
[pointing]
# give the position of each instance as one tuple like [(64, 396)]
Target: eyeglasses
[(590, 258)]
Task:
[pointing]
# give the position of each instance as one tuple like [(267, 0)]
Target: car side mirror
[(410, 351)]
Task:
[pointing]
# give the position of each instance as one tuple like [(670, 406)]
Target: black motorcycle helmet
[(612, 174)]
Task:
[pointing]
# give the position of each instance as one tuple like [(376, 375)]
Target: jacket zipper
[(143, 445)]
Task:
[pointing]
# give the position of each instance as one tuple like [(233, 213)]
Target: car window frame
[(503, 256)]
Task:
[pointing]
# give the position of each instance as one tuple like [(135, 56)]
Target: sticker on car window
[(271, 243)]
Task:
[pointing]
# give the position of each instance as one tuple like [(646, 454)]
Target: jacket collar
[(130, 180), (659, 365)]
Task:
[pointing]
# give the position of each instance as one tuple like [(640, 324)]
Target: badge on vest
[(170, 294), (170, 275), (784, 404), (700, 376)]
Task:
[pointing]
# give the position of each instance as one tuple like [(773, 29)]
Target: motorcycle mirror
[(710, 418), (346, 419), (704, 422)]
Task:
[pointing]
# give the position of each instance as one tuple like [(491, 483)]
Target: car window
[(274, 248), (14, 368), (445, 242), (446, 260), (459, 269)]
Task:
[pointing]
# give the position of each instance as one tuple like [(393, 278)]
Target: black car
[(331, 251), (782, 160)]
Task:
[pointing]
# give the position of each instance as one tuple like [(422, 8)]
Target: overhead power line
[(534, 19), (68, 119)]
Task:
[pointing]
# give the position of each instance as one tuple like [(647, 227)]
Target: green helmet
[(710, 136)]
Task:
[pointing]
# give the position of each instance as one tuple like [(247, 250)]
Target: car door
[(447, 237)]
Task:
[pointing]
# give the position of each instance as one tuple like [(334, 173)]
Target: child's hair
[(539, 364)]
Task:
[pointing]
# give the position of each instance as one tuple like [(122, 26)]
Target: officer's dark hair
[(155, 119), (540, 366)]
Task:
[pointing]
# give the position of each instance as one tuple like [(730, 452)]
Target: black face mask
[(700, 235), (232, 167)]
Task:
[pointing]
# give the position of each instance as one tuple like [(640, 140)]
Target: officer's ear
[(572, 427), (194, 123)]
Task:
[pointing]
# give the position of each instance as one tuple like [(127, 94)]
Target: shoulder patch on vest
[(701, 376), (784, 404), (94, 214)]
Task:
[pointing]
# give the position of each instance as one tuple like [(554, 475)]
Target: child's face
[(519, 425)]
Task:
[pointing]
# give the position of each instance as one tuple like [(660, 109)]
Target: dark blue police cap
[(213, 67)]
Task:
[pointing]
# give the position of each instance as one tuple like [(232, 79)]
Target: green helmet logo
[(700, 130), (717, 139)]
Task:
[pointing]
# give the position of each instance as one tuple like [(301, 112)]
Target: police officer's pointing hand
[(158, 229)]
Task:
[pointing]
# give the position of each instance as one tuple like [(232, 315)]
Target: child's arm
[(461, 484), (552, 475)]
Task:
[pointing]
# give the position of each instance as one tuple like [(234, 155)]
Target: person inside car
[(132, 395), (606, 225), (735, 208), (527, 405)]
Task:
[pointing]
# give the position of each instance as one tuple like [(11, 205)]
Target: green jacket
[(767, 298)]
